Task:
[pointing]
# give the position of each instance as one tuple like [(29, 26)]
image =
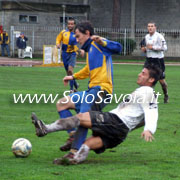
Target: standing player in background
[(4, 41), (154, 47), (67, 40)]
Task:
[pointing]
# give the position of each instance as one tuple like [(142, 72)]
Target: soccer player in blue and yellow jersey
[(99, 70), (66, 39)]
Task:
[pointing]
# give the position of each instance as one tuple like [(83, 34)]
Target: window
[(23, 18), (33, 19), (27, 19)]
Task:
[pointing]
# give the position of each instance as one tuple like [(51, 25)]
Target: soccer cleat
[(39, 126), (67, 145), (73, 91), (166, 99), (67, 159)]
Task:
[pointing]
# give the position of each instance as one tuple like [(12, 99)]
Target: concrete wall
[(101, 13), (48, 13), (166, 13)]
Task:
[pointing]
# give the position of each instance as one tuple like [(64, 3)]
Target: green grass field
[(134, 159)]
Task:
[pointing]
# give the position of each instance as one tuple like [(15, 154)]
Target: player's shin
[(79, 138), (76, 85), (63, 124), (71, 83), (64, 114)]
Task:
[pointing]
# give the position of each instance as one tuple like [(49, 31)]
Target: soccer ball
[(21, 147)]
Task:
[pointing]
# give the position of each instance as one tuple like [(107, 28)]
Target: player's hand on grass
[(147, 135), (67, 79)]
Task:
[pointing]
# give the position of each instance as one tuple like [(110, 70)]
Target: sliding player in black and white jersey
[(154, 47), (111, 128)]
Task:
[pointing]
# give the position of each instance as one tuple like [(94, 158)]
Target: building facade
[(41, 20)]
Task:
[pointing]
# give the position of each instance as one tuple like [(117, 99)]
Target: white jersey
[(159, 45), (140, 107)]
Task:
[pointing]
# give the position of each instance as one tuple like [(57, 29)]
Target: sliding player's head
[(149, 75)]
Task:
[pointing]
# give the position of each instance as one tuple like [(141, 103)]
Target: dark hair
[(72, 19), (85, 26), (154, 72), (152, 22)]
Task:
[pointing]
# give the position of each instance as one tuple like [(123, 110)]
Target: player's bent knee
[(85, 120), (80, 116), (62, 103)]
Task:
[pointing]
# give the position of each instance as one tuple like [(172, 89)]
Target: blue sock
[(64, 114), (75, 84), (80, 137), (71, 83)]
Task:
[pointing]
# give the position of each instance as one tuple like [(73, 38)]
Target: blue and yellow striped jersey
[(68, 40), (99, 65)]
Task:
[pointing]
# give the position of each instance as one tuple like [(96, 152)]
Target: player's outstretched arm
[(147, 135)]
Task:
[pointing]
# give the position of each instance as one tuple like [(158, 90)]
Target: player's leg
[(62, 106), (76, 97), (71, 65), (2, 49), (70, 73), (108, 132), (91, 143), (7, 49), (64, 112), (19, 53), (43, 129), (23, 53), (162, 81), (165, 90), (65, 61), (81, 132)]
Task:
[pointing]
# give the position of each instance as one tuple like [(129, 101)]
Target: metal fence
[(46, 35)]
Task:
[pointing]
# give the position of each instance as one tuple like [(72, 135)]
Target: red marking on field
[(5, 61)]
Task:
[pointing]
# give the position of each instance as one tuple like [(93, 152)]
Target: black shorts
[(109, 127), (100, 106), (158, 62)]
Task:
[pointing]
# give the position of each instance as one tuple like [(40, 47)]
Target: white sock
[(82, 153), (53, 127), (63, 124)]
